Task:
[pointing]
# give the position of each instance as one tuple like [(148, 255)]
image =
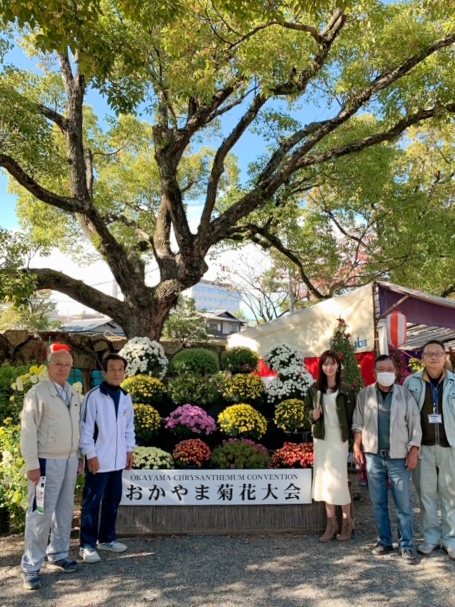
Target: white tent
[(311, 329), (364, 310)]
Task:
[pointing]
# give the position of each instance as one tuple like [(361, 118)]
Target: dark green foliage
[(196, 361), (194, 389), (239, 360), (240, 454)]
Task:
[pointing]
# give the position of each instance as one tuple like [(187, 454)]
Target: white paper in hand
[(39, 495)]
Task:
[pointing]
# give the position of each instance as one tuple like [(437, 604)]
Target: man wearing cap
[(49, 445)]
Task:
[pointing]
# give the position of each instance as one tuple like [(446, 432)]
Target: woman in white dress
[(331, 405)]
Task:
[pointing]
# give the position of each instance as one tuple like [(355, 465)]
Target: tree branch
[(47, 278), (392, 133), (218, 164), (378, 84), (276, 242), (54, 116), (70, 205)]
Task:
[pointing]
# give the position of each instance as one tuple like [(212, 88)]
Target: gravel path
[(239, 571)]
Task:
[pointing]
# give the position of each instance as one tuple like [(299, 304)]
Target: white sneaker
[(112, 546), (427, 548), (89, 555), (450, 553)]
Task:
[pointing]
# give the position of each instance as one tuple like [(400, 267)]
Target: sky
[(249, 147)]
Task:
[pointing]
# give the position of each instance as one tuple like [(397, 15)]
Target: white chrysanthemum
[(144, 356)]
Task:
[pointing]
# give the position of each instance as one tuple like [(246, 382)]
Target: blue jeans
[(103, 488), (379, 468)]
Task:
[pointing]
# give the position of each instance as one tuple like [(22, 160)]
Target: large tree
[(187, 65)]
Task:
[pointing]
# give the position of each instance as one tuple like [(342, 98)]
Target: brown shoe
[(347, 529), (330, 530)]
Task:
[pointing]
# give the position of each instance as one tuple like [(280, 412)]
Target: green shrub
[(195, 390), (195, 361), (145, 389), (242, 388), (13, 475), (240, 454), (10, 405), (147, 422), (239, 360)]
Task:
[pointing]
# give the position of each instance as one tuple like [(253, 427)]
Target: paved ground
[(238, 571)]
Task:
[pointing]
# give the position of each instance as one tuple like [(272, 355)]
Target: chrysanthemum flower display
[(144, 356), (243, 388), (293, 380), (290, 415), (191, 452), (152, 458), (242, 421), (189, 419), (147, 422), (292, 455), (145, 389)]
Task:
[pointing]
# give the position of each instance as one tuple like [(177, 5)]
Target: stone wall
[(19, 347)]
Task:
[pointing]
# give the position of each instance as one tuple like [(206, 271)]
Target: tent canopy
[(363, 308)]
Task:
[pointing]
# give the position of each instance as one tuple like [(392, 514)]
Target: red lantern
[(396, 328)]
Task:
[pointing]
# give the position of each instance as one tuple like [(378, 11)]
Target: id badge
[(39, 493), (434, 418)]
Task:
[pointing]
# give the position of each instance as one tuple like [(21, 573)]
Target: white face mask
[(386, 379)]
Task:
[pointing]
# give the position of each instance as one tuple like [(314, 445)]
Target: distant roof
[(93, 326), (222, 314)]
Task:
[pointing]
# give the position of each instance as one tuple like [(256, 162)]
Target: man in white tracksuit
[(434, 390), (107, 441), (49, 445)]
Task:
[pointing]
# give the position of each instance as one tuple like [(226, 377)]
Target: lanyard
[(435, 390)]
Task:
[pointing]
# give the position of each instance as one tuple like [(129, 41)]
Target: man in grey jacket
[(386, 426), (49, 445), (434, 390)]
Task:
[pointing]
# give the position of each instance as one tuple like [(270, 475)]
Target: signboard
[(216, 487)]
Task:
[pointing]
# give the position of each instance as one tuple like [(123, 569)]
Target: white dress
[(330, 469)]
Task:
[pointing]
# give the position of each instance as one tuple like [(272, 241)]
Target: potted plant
[(145, 389), (144, 356), (147, 422), (291, 416), (292, 455), (189, 420), (240, 454), (243, 388), (152, 458), (242, 421), (191, 453)]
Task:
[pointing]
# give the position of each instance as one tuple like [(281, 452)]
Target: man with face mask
[(434, 390), (387, 431)]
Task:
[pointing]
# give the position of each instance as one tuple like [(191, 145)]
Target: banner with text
[(216, 487)]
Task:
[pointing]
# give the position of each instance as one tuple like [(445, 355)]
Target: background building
[(215, 296)]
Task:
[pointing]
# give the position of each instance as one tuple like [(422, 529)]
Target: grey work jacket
[(405, 429)]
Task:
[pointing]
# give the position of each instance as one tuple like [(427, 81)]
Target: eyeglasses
[(62, 365), (434, 354)]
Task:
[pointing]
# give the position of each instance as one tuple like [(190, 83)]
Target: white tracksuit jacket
[(103, 435)]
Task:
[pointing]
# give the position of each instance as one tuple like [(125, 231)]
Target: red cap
[(58, 348)]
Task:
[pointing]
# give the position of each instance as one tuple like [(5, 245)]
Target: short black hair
[(383, 357), (436, 342), (105, 361)]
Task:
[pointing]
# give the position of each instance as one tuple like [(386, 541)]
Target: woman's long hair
[(322, 377)]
